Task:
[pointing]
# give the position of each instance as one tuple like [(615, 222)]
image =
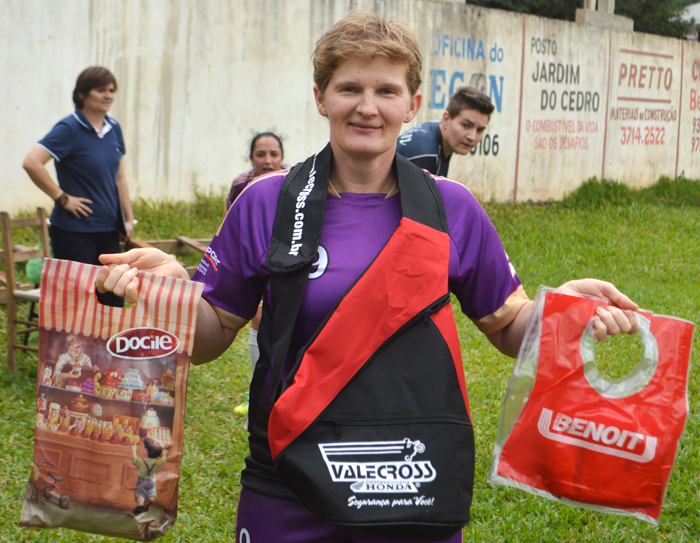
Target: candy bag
[(568, 434), (110, 404)]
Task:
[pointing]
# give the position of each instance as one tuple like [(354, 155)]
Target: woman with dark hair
[(92, 196), (266, 155), (392, 238)]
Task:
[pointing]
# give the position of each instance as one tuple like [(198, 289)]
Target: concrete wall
[(197, 78)]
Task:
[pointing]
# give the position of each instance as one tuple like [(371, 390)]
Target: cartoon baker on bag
[(70, 364), (145, 493)]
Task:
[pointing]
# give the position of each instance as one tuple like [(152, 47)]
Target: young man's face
[(461, 133)]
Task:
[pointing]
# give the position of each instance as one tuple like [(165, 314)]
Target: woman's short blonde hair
[(362, 33)]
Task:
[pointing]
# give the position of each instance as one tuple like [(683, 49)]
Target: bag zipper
[(434, 308), (367, 421), (423, 315)]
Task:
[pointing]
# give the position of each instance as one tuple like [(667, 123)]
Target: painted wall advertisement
[(571, 101), (562, 109), (688, 160), (478, 48), (643, 107)]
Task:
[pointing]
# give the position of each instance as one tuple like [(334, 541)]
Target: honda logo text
[(378, 466)]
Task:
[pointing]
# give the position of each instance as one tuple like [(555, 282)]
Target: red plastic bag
[(569, 435), (110, 404)]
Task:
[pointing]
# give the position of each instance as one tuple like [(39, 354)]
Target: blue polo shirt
[(86, 165), (422, 145)]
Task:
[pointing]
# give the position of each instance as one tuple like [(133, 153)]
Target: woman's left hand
[(120, 273), (78, 206), (611, 320)]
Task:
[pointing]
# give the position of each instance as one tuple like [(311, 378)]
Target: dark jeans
[(87, 247)]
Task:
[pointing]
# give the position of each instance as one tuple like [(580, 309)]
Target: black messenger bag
[(371, 428)]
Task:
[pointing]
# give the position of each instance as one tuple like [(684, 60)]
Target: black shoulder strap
[(297, 233), (420, 198), (299, 218)]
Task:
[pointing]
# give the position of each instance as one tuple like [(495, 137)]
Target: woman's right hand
[(120, 273), (78, 206)]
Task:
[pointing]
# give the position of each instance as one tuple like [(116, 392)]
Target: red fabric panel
[(376, 307), (445, 322)]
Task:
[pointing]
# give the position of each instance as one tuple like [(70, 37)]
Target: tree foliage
[(657, 17), (662, 17)]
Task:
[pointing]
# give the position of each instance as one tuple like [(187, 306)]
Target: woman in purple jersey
[(266, 155), (367, 76)]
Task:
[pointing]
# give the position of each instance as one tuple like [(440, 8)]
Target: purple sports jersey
[(355, 228)]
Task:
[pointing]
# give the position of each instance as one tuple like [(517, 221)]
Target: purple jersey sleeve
[(233, 269), (356, 227), (481, 274)]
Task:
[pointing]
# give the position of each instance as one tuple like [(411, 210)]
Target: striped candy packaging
[(110, 406)]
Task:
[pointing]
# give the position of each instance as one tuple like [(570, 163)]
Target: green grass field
[(646, 242)]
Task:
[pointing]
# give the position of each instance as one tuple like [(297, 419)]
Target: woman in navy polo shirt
[(92, 196)]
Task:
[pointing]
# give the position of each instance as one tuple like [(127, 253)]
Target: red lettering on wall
[(623, 73), (645, 76)]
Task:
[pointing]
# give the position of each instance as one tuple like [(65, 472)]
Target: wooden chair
[(15, 293)]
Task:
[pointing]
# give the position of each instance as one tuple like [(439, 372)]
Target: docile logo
[(142, 343)]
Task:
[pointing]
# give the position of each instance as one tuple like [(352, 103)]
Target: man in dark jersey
[(430, 145)]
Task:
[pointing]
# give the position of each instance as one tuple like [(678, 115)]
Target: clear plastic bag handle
[(633, 382)]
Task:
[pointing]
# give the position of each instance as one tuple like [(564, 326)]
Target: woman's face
[(99, 99), (367, 102), (267, 155)]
